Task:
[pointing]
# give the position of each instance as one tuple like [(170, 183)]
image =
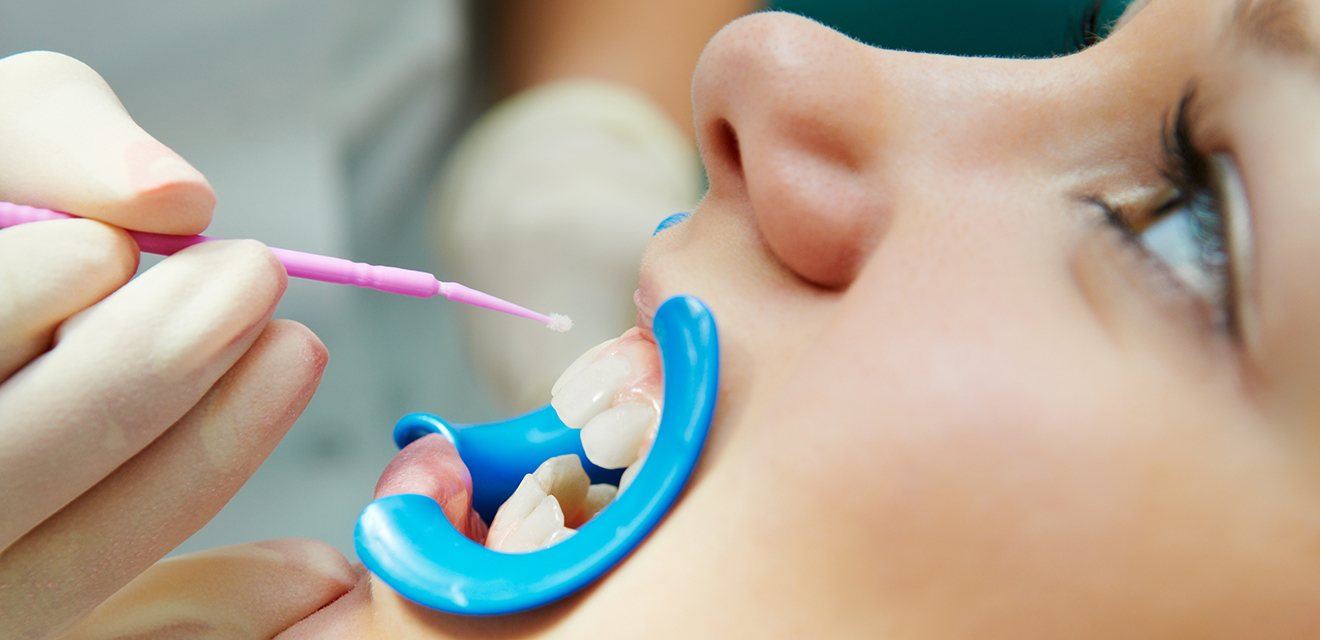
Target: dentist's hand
[(130, 411)]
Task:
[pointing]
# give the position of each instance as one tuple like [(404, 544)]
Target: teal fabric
[(1006, 28)]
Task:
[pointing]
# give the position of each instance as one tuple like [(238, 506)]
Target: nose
[(826, 138), (797, 142)]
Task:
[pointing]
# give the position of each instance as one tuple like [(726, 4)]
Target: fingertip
[(166, 194), (180, 208), (253, 264), (288, 361), (307, 346), (108, 247), (70, 145), (316, 559), (250, 590)]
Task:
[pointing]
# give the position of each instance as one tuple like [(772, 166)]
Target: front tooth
[(559, 536), (564, 478), (591, 390), (536, 529), (578, 365), (614, 439), (525, 498)]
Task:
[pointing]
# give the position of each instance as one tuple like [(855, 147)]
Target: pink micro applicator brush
[(316, 267)]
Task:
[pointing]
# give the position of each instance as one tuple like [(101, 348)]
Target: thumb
[(253, 590), (70, 145)]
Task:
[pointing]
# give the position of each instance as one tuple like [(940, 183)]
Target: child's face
[(955, 400)]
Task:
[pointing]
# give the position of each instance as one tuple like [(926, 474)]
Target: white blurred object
[(549, 200)]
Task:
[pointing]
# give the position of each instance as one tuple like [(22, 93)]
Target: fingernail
[(677, 218)]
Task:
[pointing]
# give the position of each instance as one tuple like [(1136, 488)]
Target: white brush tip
[(560, 323)]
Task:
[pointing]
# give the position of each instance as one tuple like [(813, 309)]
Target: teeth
[(625, 368), (564, 478), (559, 536), (628, 475), (578, 365), (599, 496), (536, 510), (612, 393), (536, 530), (514, 510), (614, 439), (591, 390)]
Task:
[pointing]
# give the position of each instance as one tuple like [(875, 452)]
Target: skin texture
[(130, 411), (954, 402)]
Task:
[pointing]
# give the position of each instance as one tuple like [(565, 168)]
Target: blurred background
[(323, 124)]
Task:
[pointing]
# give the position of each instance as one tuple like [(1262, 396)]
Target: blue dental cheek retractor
[(407, 541)]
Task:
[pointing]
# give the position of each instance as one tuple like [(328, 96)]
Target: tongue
[(430, 466)]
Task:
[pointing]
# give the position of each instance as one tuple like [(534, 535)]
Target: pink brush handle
[(299, 264), (310, 266)]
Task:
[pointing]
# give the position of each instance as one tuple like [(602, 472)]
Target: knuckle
[(39, 65)]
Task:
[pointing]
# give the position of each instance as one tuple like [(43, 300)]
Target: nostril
[(726, 145)]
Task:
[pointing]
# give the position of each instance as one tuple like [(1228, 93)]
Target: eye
[(1201, 235), (1188, 236)]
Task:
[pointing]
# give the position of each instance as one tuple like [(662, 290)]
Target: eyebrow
[(1277, 26)]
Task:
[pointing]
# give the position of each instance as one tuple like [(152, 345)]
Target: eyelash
[(1186, 168), (1087, 30)]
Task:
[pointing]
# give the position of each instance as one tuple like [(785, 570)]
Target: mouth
[(419, 544), (613, 394)]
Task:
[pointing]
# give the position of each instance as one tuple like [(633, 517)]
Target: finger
[(50, 271), (125, 370), (70, 145), (251, 590), (91, 548)]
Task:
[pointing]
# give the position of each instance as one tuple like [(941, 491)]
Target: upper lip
[(645, 311), (646, 301)]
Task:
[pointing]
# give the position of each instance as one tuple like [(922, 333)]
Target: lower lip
[(430, 466)]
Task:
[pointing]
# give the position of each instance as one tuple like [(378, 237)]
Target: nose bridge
[(783, 74), (956, 109)]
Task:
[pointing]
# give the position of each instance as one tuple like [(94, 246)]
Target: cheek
[(986, 470)]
